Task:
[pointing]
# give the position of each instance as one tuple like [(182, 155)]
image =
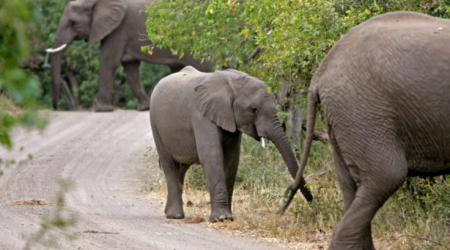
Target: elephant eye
[(254, 111), (72, 23)]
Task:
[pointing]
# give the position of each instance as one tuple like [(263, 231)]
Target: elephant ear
[(106, 16), (214, 98)]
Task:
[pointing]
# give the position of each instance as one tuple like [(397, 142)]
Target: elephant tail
[(313, 100)]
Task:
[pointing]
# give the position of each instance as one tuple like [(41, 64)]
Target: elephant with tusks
[(120, 27)]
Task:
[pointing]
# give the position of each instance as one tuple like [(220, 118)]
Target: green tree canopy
[(293, 35)]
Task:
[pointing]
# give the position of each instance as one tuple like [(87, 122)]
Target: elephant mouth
[(256, 136)]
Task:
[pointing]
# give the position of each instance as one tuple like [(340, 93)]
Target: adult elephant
[(199, 118), (120, 26), (384, 92)]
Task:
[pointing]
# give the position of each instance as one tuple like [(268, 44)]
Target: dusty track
[(105, 155)]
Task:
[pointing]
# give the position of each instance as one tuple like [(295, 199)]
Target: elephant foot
[(221, 218), (144, 107), (104, 108), (174, 211), (175, 216)]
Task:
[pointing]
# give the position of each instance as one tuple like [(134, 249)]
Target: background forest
[(281, 42)]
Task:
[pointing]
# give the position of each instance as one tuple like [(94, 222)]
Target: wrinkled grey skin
[(199, 118), (121, 29), (384, 89)]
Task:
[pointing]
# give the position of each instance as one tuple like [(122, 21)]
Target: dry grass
[(404, 222)]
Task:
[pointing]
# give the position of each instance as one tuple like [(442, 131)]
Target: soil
[(106, 156)]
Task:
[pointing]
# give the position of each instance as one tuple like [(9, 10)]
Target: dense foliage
[(16, 18), (294, 35)]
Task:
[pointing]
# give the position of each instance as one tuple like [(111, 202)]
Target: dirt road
[(105, 155)]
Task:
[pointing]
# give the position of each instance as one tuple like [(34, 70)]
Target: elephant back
[(176, 86), (182, 77)]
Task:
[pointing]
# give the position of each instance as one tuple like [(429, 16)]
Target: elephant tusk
[(263, 144), (50, 50)]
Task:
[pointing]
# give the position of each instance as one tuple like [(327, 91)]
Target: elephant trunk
[(64, 36), (279, 138), (56, 77), (62, 39)]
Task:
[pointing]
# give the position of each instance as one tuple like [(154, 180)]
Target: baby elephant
[(199, 118)]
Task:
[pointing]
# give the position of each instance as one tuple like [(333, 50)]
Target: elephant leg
[(132, 73), (231, 154), (174, 173), (107, 69), (182, 173), (348, 188), (384, 171), (110, 55), (346, 182), (106, 88), (209, 148)]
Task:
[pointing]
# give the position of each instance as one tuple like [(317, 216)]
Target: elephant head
[(237, 101), (89, 20)]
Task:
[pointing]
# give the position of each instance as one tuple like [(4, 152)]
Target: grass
[(406, 221)]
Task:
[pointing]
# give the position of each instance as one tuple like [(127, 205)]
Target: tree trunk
[(295, 119)]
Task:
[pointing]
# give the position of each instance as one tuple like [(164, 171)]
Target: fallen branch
[(254, 54), (317, 135), (97, 232)]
